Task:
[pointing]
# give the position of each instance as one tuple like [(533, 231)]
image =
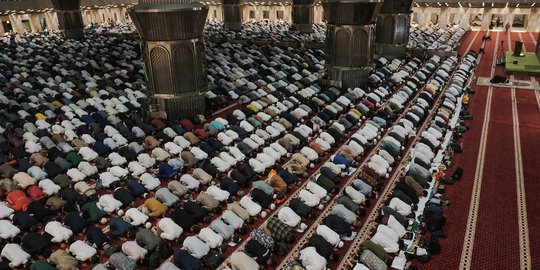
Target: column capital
[(352, 12), (174, 55), (169, 22), (397, 6), (233, 2)]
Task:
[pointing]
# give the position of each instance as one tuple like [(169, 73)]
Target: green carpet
[(526, 65)]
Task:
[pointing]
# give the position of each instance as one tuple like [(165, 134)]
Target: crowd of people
[(276, 31), (89, 183), (438, 38)]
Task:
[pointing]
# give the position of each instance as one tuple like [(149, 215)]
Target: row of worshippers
[(446, 38), (97, 157), (399, 215), (344, 213), (265, 30)]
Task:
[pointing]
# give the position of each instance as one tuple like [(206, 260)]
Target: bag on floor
[(432, 210), (436, 223), (215, 260), (458, 173)]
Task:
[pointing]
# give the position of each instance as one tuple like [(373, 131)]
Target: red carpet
[(529, 127), (497, 225), (496, 244)]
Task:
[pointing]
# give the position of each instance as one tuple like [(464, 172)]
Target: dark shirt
[(299, 207), (119, 227), (183, 219), (36, 244), (254, 249), (337, 224), (196, 210), (124, 196), (261, 197), (75, 222), (24, 221), (96, 236), (321, 245), (186, 261)]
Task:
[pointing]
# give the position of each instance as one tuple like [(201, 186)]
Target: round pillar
[(350, 40), (232, 15), (174, 55), (303, 14)]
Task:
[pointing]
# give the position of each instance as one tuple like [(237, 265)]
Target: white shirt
[(198, 153), (116, 159), (49, 187), (133, 250), (211, 238), (160, 154), (107, 179), (237, 154), (228, 158), (220, 164), (58, 231), (146, 160), (108, 203), (396, 226), (257, 165), (224, 138), (172, 148), (137, 217), (118, 171), (196, 247), (75, 175), (252, 207), (308, 198), (218, 193), (288, 216), (278, 148), (385, 242), (170, 230), (312, 260), (5, 211), (328, 234), (400, 206), (8, 229), (189, 181), (87, 153), (316, 189), (232, 219), (388, 232), (87, 168), (231, 133), (15, 254), (150, 182), (309, 153), (82, 250), (136, 168), (181, 141), (355, 195)]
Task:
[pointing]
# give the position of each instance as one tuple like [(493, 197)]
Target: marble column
[(173, 51), (69, 18), (303, 15), (393, 26), (350, 37), (232, 14)]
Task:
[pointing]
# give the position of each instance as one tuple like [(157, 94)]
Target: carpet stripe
[(524, 243), (468, 243), (525, 258)]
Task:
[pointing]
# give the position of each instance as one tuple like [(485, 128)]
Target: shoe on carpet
[(447, 181)]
